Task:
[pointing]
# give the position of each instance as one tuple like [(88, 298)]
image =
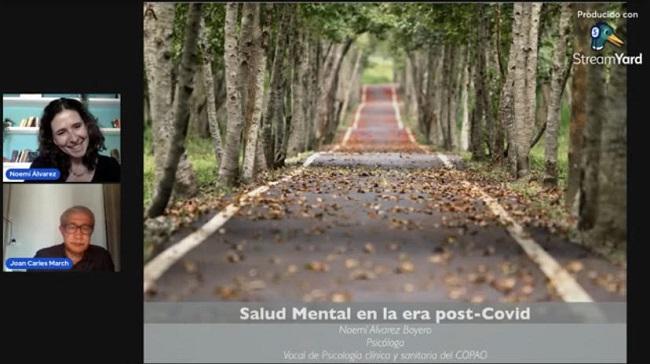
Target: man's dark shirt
[(95, 258)]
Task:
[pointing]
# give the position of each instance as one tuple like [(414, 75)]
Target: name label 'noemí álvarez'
[(33, 174)]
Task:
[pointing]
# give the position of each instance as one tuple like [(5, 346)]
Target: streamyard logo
[(602, 33)]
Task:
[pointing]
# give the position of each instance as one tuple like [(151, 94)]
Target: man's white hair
[(83, 209)]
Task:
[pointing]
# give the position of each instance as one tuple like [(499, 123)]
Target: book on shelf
[(23, 156), (30, 122)]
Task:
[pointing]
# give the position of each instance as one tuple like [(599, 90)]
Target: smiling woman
[(70, 140)]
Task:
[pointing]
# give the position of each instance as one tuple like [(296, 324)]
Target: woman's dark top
[(106, 170)]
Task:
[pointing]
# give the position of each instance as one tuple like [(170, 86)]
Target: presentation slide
[(323, 182)]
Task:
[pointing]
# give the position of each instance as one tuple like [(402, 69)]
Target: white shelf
[(34, 130), (8, 165), (110, 131), (43, 101), (22, 130)]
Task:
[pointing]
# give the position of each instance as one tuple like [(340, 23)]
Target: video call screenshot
[(312, 182)]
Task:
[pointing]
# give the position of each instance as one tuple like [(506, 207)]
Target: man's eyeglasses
[(72, 228)]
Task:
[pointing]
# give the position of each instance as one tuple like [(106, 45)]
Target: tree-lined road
[(378, 219)]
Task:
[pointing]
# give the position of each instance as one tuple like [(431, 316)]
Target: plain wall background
[(35, 210)]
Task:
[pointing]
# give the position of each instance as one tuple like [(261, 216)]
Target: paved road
[(376, 220)]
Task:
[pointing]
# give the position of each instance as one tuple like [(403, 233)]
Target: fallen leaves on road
[(405, 267), (362, 274), (504, 284), (369, 248), (313, 209), (317, 266)]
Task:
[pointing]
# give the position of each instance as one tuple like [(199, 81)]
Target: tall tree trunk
[(158, 24), (257, 66), (477, 130), (248, 68), (429, 119), (519, 88), (427, 76), (249, 22), (177, 142), (324, 101), (219, 89), (211, 102), (329, 79), (497, 78), (417, 86), (464, 129), (560, 65), (410, 98), (452, 93), (350, 85), (489, 72), (334, 117), (578, 110), (525, 87), (298, 133), (229, 168), (608, 234), (591, 148), (419, 89), (312, 88), (436, 96), (266, 14), (541, 112), (506, 99), (445, 91), (198, 106), (158, 21), (531, 87), (274, 124)]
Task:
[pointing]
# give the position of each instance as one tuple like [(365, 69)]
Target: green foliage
[(201, 155), (378, 70), (338, 21), (548, 37), (180, 17), (214, 16), (537, 160)]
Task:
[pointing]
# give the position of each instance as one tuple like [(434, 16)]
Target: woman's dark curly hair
[(51, 152)]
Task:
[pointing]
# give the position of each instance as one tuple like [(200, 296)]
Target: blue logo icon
[(602, 33)]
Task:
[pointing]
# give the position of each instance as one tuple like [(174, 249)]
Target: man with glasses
[(76, 226)]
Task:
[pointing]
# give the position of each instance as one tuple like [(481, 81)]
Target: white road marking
[(163, 261), (310, 160), (397, 114), (355, 124), (444, 160), (567, 287), (401, 124)]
